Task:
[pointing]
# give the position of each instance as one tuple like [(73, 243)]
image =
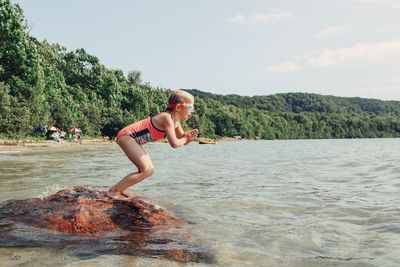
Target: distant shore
[(48, 143), (92, 141)]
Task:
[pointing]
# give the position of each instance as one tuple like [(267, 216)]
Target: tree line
[(46, 84), (306, 102)]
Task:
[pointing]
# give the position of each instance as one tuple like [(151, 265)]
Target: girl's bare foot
[(116, 195), (128, 194)]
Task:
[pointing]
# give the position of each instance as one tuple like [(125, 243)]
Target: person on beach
[(132, 138)]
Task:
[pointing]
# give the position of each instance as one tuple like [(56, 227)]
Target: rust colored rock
[(85, 213)]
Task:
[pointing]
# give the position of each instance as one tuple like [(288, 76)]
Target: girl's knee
[(148, 171)]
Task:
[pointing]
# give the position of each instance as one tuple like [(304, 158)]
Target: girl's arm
[(178, 130), (168, 125)]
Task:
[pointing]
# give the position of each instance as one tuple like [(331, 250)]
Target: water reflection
[(291, 203)]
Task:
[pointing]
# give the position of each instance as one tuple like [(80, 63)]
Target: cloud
[(354, 56), (238, 19), (260, 18), (331, 31), (373, 3)]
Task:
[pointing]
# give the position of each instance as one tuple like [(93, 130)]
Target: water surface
[(254, 203)]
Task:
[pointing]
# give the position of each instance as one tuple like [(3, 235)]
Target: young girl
[(132, 138)]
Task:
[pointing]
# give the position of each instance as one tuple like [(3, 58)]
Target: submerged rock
[(85, 216)]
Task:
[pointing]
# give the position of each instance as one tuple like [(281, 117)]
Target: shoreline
[(48, 143), (14, 143)]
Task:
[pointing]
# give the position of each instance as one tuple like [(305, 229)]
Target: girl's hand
[(191, 135)]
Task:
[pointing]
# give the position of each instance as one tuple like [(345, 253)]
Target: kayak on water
[(207, 142)]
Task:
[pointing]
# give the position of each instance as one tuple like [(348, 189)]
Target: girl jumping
[(132, 138)]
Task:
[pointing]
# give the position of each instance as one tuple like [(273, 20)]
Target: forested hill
[(44, 84), (306, 102)]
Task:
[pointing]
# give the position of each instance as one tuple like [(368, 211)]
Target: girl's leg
[(140, 158)]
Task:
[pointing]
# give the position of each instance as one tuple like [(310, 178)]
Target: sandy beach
[(8, 143), (47, 143)]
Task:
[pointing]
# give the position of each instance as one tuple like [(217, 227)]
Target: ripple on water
[(267, 203)]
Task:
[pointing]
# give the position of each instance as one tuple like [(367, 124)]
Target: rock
[(85, 215)]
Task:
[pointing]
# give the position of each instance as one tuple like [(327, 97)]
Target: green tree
[(134, 77)]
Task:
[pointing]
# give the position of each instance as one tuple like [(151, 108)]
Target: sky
[(345, 48)]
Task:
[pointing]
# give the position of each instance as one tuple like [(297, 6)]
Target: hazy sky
[(245, 47)]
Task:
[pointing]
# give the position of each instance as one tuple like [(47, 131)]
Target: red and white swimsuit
[(142, 131)]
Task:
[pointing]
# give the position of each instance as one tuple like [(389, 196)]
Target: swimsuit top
[(143, 131)]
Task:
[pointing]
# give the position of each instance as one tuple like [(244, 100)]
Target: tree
[(134, 77)]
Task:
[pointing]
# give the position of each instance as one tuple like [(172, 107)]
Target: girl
[(132, 137)]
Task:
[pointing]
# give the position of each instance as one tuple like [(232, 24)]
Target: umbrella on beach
[(52, 128), (76, 130)]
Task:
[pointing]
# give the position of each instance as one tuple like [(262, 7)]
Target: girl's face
[(185, 110)]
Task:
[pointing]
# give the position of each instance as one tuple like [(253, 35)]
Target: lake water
[(254, 203)]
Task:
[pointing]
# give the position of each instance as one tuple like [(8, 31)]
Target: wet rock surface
[(84, 217)]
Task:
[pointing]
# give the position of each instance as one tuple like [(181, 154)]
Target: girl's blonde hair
[(179, 97)]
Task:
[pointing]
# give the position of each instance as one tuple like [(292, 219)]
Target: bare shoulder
[(162, 120), (163, 116)]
